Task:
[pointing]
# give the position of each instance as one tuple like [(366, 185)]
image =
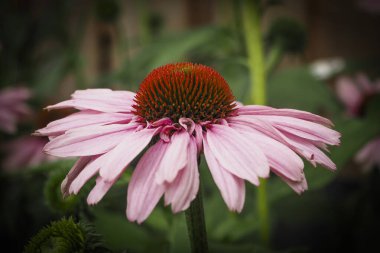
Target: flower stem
[(253, 39), (196, 225), (257, 71)]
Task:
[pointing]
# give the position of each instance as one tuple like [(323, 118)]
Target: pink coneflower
[(369, 155), (354, 93), (23, 152), (180, 111), (13, 108)]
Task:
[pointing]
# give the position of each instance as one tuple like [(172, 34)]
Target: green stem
[(256, 65), (257, 70), (196, 225)]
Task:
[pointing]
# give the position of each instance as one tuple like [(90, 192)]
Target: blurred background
[(321, 56)]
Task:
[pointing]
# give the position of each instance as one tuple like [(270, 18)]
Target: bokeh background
[(321, 56)]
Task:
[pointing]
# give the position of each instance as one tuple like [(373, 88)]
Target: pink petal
[(81, 119), (175, 158), (185, 187), (369, 154), (86, 174), (349, 94), (98, 192), (119, 158), (269, 111), (199, 137), (143, 191), (259, 125), (310, 152), (88, 141), (298, 186), (103, 100), (280, 157), (303, 128), (23, 152), (230, 186), (73, 173), (234, 153), (364, 83), (302, 146)]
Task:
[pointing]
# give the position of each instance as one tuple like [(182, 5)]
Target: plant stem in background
[(256, 65), (196, 225), (253, 39)]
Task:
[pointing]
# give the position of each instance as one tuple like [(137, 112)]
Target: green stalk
[(257, 71), (196, 225), (256, 65)]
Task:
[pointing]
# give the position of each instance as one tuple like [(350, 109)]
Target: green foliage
[(129, 236), (287, 33), (297, 88), (65, 236), (53, 194), (168, 49)]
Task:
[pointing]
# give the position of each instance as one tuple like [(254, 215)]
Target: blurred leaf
[(121, 234), (297, 88), (49, 75), (169, 49), (178, 236), (63, 164), (53, 194)]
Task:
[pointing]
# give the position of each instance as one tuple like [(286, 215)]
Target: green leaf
[(178, 236), (121, 234), (53, 194), (297, 88), (169, 49)]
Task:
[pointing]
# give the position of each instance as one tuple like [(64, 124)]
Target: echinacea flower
[(180, 111), (13, 108), (354, 93), (369, 155), (23, 152)]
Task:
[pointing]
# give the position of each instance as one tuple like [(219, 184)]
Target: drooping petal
[(143, 191), (185, 187), (81, 119), (259, 125), (230, 186), (269, 111), (73, 173), (280, 157), (88, 141), (175, 158), (98, 192), (234, 153), (310, 152), (118, 158), (298, 186), (303, 128), (86, 174), (103, 100), (306, 148)]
